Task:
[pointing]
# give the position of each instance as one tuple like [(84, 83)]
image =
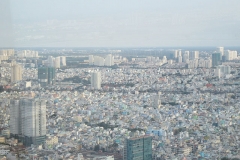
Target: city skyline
[(119, 24)]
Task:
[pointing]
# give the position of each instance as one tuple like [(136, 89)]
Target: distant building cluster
[(6, 53), (100, 61), (27, 53), (56, 62), (152, 104)]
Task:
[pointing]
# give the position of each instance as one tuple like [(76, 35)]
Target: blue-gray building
[(139, 148)]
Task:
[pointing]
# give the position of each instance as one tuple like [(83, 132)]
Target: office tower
[(63, 61), (193, 55), (57, 62), (186, 57), (96, 80), (224, 69), (28, 120), (16, 72), (220, 50), (50, 61), (109, 60), (138, 148), (187, 52), (179, 53), (99, 61), (175, 53), (218, 72), (51, 75), (91, 60), (216, 59), (46, 76), (179, 59)]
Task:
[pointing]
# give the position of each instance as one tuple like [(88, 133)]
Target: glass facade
[(138, 148), (46, 76), (216, 59)]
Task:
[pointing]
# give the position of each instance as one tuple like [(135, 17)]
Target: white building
[(109, 60), (186, 57), (57, 63), (164, 60), (224, 69), (99, 61), (230, 55), (96, 80), (194, 55), (28, 119), (51, 61), (91, 60), (220, 50), (218, 72), (63, 61), (179, 59)]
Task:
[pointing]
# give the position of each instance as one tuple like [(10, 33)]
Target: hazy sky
[(119, 23)]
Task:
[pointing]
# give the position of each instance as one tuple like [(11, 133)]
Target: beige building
[(16, 73), (52, 140)]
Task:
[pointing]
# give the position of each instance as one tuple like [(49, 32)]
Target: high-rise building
[(96, 80), (138, 148), (186, 57), (220, 50), (99, 61), (57, 62), (63, 61), (16, 72), (46, 76), (179, 59), (216, 59), (175, 53), (109, 60), (28, 120), (179, 53), (224, 69), (193, 55), (91, 60), (51, 61), (230, 55)]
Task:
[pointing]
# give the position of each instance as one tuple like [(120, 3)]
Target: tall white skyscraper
[(179, 59), (63, 61), (96, 80), (109, 60), (220, 50), (194, 55), (186, 56), (51, 61), (175, 53), (28, 120), (57, 62), (179, 53), (16, 72), (91, 60), (99, 61)]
